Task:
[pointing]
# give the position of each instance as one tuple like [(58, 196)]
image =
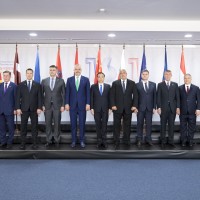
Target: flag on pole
[(58, 64), (122, 64), (76, 56), (165, 63), (143, 65), (16, 68), (37, 67), (98, 65), (0, 78), (182, 64)]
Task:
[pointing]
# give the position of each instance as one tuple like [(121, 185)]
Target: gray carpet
[(99, 179)]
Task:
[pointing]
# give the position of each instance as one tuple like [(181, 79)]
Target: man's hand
[(14, 112), (87, 107), (197, 112), (19, 112), (67, 108), (62, 109), (114, 108), (92, 111), (39, 111), (159, 111), (43, 108), (178, 111), (154, 111)]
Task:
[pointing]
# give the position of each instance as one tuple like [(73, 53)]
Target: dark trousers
[(82, 118), (126, 126), (167, 117), (187, 127), (34, 125), (6, 120), (101, 120), (147, 116), (52, 116)]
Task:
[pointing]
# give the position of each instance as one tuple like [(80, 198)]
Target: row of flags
[(37, 77)]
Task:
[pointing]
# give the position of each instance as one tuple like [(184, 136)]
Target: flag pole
[(16, 120)]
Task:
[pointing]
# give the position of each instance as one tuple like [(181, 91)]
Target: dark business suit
[(29, 102), (168, 100), (100, 104), (189, 103), (123, 102), (7, 107), (53, 100), (77, 101), (146, 104)]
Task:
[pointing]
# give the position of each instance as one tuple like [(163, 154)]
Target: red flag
[(58, 64), (98, 65), (0, 78), (16, 68), (76, 56), (182, 65)]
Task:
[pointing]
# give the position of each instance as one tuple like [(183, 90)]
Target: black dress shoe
[(163, 145), (22, 147), (73, 145), (172, 145), (47, 145), (99, 146), (139, 143), (117, 146), (191, 143), (149, 143), (104, 145), (9, 146), (34, 146), (183, 144), (3, 145)]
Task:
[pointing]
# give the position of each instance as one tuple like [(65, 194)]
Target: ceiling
[(78, 21)]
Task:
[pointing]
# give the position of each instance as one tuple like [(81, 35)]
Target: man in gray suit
[(53, 90)]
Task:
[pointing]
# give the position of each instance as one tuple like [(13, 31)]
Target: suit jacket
[(7, 100), (124, 101), (189, 102), (146, 100), (26, 100), (77, 99), (166, 97), (55, 96), (100, 102)]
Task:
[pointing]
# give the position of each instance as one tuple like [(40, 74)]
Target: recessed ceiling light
[(33, 34), (188, 35), (111, 35), (102, 9)]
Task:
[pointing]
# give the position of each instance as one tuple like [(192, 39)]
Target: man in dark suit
[(100, 94), (168, 105), (124, 101), (189, 110), (77, 102), (53, 91), (146, 107), (7, 110), (29, 104)]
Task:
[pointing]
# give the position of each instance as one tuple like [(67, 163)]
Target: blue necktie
[(101, 89)]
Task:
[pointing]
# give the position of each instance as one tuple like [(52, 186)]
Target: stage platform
[(64, 151)]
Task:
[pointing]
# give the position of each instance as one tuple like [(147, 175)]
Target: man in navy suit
[(100, 94), (7, 110), (146, 107), (168, 105), (189, 110), (77, 102)]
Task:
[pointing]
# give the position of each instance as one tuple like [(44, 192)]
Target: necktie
[(123, 86), (146, 88), (168, 85), (101, 89), (52, 83), (77, 84), (6, 87), (29, 86), (188, 89)]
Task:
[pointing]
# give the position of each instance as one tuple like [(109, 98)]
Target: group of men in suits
[(125, 97)]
